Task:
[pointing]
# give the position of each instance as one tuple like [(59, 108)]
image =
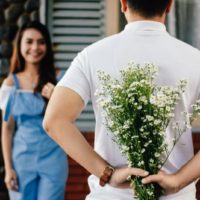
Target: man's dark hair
[(148, 8)]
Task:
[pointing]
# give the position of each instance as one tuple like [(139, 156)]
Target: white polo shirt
[(142, 41)]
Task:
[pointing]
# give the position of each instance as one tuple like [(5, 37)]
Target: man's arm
[(63, 108), (174, 182)]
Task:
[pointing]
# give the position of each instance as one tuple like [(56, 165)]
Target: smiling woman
[(33, 46), (29, 154)]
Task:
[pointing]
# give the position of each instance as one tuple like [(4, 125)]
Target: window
[(184, 21), (75, 24)]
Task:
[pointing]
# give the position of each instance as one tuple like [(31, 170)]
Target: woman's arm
[(7, 134), (63, 108), (174, 182)]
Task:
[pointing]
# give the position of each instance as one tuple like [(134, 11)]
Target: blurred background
[(74, 24)]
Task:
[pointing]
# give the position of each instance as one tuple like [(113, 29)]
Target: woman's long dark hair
[(46, 69)]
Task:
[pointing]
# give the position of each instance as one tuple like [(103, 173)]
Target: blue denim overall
[(40, 164)]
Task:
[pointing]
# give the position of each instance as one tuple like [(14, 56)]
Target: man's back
[(140, 42)]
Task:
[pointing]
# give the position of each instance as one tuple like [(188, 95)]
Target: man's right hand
[(169, 182)]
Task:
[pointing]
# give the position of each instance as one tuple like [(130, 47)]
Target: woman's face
[(33, 47)]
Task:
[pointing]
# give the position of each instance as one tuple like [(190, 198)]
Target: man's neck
[(134, 17)]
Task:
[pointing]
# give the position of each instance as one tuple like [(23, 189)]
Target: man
[(144, 39)]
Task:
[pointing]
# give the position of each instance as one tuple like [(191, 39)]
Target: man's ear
[(169, 6), (123, 5)]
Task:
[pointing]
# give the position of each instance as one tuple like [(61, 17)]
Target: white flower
[(170, 115), (110, 123), (168, 108), (116, 132), (125, 148), (159, 166), (116, 87), (146, 144), (126, 126), (150, 193), (157, 155), (153, 99), (143, 150), (149, 118), (161, 133), (143, 99), (157, 121), (151, 160), (141, 129), (141, 163)]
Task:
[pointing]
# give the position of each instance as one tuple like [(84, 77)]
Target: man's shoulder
[(185, 47), (105, 43)]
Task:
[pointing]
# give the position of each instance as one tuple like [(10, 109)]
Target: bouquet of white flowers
[(137, 112)]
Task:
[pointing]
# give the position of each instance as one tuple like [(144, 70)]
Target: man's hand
[(169, 182), (120, 176)]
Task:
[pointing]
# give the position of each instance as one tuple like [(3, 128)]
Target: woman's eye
[(28, 41), (41, 42)]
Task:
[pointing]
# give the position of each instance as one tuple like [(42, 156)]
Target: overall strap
[(8, 108), (60, 75), (16, 81), (11, 99)]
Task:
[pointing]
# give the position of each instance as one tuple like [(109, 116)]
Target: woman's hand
[(120, 176), (47, 90), (11, 180)]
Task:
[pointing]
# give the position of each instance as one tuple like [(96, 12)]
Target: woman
[(35, 166)]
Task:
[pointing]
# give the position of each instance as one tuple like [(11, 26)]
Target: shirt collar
[(146, 26)]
